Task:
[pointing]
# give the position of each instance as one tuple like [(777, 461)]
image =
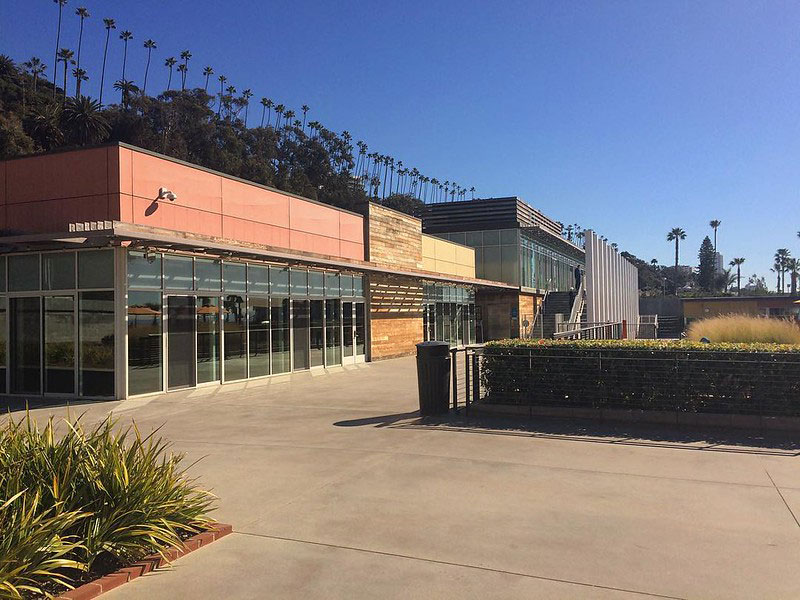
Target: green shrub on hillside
[(87, 500)]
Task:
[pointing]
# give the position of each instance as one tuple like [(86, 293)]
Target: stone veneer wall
[(395, 239), (395, 316)]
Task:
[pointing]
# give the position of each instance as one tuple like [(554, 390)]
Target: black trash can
[(433, 377)]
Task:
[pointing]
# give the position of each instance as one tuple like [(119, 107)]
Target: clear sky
[(627, 117)]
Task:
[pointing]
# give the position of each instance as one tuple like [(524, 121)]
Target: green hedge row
[(754, 379)]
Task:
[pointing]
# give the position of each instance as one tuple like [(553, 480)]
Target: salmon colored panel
[(62, 175), (125, 203), (351, 250), (125, 169), (255, 233), (194, 188), (308, 242), (112, 169), (313, 218), (56, 215), (351, 227), (168, 215), (254, 203)]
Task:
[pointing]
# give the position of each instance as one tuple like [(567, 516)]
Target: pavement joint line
[(455, 564), (786, 504), (481, 460)]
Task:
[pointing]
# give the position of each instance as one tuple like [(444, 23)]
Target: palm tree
[(305, 108), (715, 225), (109, 25), (279, 112), (169, 63), (782, 256), (149, 44), (793, 266), (182, 69), (676, 234), (65, 55), (265, 103), (61, 4), (222, 79), (185, 55), (207, 72), (84, 121), (288, 115), (125, 36), (246, 95), (36, 68), (738, 262), (126, 88), (80, 76), (83, 14)]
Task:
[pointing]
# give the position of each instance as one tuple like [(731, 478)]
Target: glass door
[(333, 332), (208, 368), (361, 332), (300, 330), (25, 345), (181, 352), (59, 344), (317, 334), (347, 331)]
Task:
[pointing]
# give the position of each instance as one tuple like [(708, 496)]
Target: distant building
[(719, 262)]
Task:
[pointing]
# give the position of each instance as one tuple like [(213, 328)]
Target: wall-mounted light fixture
[(164, 193)]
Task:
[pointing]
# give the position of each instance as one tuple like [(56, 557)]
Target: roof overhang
[(116, 233)]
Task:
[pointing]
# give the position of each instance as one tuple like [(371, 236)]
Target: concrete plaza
[(336, 489)]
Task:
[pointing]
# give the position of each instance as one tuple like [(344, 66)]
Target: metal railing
[(648, 327), (590, 331), (577, 305), (465, 384)]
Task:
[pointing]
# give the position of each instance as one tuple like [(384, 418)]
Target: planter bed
[(94, 588)]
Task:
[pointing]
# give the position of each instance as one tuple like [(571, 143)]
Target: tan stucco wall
[(448, 258)]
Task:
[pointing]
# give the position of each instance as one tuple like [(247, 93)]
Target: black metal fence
[(714, 381)]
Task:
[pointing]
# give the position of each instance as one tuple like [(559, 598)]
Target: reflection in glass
[(361, 331), (316, 283), (347, 321), (279, 280), (258, 279), (59, 344), (317, 335), (23, 272), (144, 270), (300, 323), (178, 273), (96, 323), (207, 339), (3, 355), (58, 271), (25, 321), (281, 359), (333, 335), (299, 279), (235, 337), (234, 277), (96, 269), (258, 322), (181, 360), (207, 274), (144, 342)]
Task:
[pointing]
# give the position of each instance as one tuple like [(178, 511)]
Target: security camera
[(168, 194)]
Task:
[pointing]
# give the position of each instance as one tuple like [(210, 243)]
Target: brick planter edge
[(92, 589)]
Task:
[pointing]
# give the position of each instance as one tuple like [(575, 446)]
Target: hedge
[(723, 378)]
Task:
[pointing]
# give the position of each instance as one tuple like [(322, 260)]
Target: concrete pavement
[(336, 489)]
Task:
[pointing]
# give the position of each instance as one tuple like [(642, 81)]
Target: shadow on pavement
[(380, 421), (12, 405)]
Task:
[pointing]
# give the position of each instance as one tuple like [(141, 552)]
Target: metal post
[(476, 380), (466, 377), (454, 373)]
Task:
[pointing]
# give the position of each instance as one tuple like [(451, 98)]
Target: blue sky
[(627, 117)]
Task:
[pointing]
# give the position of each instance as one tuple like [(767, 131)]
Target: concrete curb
[(149, 563)]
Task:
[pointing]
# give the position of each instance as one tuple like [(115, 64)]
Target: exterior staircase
[(556, 303)]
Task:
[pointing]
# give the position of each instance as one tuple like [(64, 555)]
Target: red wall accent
[(47, 193)]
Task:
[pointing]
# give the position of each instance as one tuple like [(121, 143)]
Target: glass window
[(279, 321), (207, 274), (59, 344), (508, 236), (2, 273), (144, 270), (361, 331), (235, 331), (23, 272), (178, 273), (234, 277), (347, 321), (96, 332), (58, 271), (332, 287), (279, 280), (258, 323), (300, 334), (258, 279), (358, 285), (3, 358), (316, 283), (474, 238), (25, 321), (333, 332), (316, 333), (299, 282), (144, 342), (491, 238), (346, 283), (96, 269), (458, 238), (207, 339)]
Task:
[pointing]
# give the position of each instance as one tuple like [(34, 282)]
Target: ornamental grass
[(77, 503), (744, 329)]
